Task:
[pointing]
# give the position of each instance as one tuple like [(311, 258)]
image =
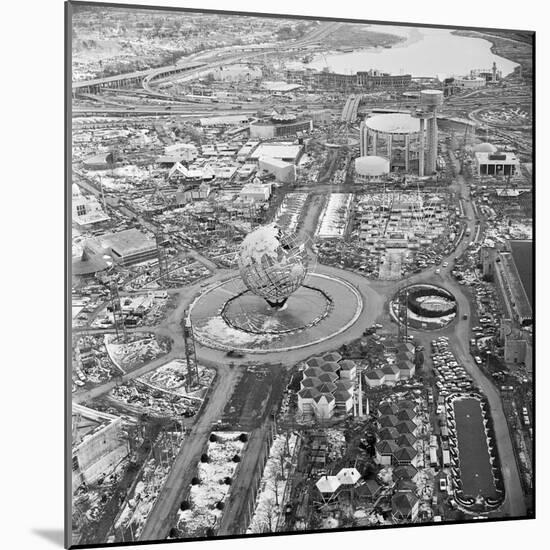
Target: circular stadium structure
[(371, 168), (424, 307), (394, 124), (395, 136)]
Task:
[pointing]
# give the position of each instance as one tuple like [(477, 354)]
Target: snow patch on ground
[(125, 355), (335, 217), (139, 506), (216, 330), (270, 499), (204, 497), (172, 378)]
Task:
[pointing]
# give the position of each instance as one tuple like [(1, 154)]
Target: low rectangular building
[(227, 120), (360, 81), (87, 211), (255, 192), (126, 247), (511, 289), (270, 130), (201, 192), (284, 172), (496, 164), (287, 152)]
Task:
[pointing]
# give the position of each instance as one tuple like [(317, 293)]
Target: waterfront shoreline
[(497, 47), (413, 48)]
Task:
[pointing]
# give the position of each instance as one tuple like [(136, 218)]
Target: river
[(426, 52)]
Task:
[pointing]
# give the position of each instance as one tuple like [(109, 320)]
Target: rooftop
[(393, 123), (405, 453), (407, 426), (328, 484), (370, 488), (405, 471), (126, 242), (308, 393), (348, 476), (375, 374), (328, 377), (388, 420), (275, 162), (386, 447), (403, 503), (276, 151), (387, 408), (372, 166), (329, 366), (344, 384), (388, 434), (87, 421), (497, 158), (347, 364), (224, 120), (312, 372)]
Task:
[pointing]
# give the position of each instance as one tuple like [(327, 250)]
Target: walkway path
[(231, 522), (163, 515)]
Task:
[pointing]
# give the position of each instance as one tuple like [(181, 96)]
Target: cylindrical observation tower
[(430, 102)]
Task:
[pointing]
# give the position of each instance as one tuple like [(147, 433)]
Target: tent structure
[(348, 476), (178, 170), (327, 486)]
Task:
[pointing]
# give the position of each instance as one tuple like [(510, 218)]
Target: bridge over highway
[(95, 85), (349, 112)]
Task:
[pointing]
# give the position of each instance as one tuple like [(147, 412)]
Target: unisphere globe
[(272, 264)]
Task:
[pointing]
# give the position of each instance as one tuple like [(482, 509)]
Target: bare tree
[(275, 487), (270, 515)]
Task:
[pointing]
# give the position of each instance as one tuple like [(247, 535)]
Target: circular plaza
[(248, 312), (227, 316)]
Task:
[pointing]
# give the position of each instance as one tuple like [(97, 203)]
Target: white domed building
[(484, 148), (371, 168)]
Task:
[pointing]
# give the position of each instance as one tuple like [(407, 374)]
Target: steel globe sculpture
[(272, 264)]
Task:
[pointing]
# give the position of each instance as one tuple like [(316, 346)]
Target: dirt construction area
[(255, 395)]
